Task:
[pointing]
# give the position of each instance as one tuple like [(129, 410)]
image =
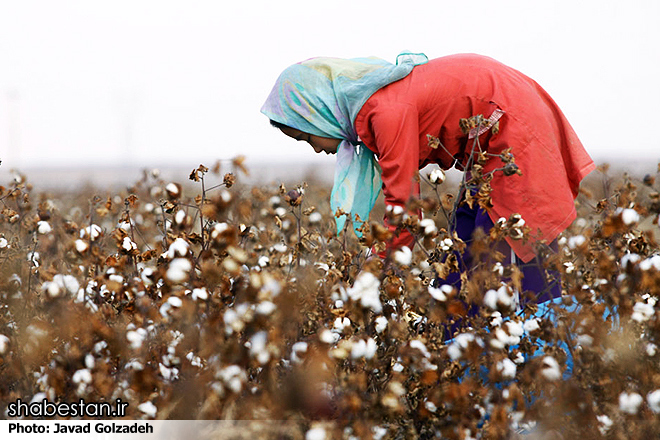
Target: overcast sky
[(174, 82)]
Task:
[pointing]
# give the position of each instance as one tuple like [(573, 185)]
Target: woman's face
[(319, 143)]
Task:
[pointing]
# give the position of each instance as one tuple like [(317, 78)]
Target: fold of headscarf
[(322, 96)]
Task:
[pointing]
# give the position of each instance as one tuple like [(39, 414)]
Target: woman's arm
[(396, 135)]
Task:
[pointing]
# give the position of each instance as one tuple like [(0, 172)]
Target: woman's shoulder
[(462, 61)]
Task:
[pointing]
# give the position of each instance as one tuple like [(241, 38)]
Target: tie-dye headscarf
[(322, 97)]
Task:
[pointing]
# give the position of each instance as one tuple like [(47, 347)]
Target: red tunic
[(395, 121)]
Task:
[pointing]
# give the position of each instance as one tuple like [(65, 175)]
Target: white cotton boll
[(642, 312), (89, 361), (430, 406), (179, 247), (175, 301), (148, 409), (519, 223), (180, 217), (315, 217), (651, 262), (172, 189), (397, 367), (584, 340), (43, 227), (437, 176), (274, 201), (550, 369), (200, 294), (116, 278), (265, 308), (515, 328), (3, 243), (33, 257), (490, 299), (83, 376), (81, 246), (258, 348), (653, 400), (39, 397), (128, 245), (605, 424), (403, 256), (460, 343), (341, 323), (397, 210), (419, 345), (178, 270), (280, 247), (519, 359), (370, 349), (145, 276), (496, 319), (168, 373), (263, 261), (366, 290), (317, 433), (322, 266), (218, 229), (4, 345), (576, 241), (446, 244), (91, 231), (504, 338), (296, 349), (506, 368), (629, 259), (629, 216), (440, 294), (233, 376), (498, 269), (381, 324), (531, 325), (428, 224), (61, 284), (651, 349), (505, 297), (136, 337), (328, 337), (629, 403)]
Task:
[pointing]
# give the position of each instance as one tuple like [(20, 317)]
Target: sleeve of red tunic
[(395, 129)]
